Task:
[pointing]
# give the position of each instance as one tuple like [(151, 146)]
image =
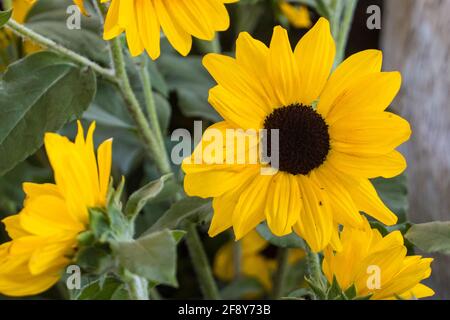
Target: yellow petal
[(314, 55), (283, 204), (347, 73)]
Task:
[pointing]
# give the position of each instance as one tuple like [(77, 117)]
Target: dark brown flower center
[(304, 141)]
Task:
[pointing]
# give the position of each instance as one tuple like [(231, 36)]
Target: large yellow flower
[(334, 135), (142, 21), (253, 263), (377, 265), (44, 233)]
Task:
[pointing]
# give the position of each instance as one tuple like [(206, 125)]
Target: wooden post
[(416, 41)]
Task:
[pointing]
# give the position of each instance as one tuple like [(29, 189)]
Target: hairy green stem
[(280, 276), (138, 288), (201, 264), (35, 37), (314, 269), (150, 102), (150, 141)]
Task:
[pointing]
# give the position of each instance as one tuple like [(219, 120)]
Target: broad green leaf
[(152, 256), (4, 17), (39, 94), (189, 208), (110, 289), (290, 241), (141, 197), (431, 237)]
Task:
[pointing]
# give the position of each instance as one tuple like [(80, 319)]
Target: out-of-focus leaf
[(290, 241), (191, 82), (152, 256), (394, 193), (39, 94), (195, 209), (431, 237), (240, 288)]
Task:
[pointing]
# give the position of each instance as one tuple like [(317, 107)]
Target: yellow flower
[(367, 255), (142, 21), (253, 263), (334, 135), (298, 16), (44, 233)]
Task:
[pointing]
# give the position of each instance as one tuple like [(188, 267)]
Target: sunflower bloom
[(253, 263), (366, 254), (298, 16), (334, 135), (142, 21), (44, 233)]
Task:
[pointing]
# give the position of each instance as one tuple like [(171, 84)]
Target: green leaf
[(394, 193), (99, 224), (300, 294), (95, 259), (49, 18), (191, 82), (290, 241), (431, 237), (194, 209), (152, 257), (4, 17), (108, 289), (141, 197), (334, 292), (39, 94)]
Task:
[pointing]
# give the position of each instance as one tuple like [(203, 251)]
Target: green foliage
[(290, 241), (152, 257), (141, 197), (394, 193), (4, 17), (110, 288), (241, 288), (192, 209), (47, 91), (431, 237)]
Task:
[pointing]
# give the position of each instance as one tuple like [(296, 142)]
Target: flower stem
[(280, 276), (201, 264), (344, 29), (150, 141), (150, 102), (314, 269), (27, 33), (138, 288)]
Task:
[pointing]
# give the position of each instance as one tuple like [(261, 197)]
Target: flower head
[(377, 266), (298, 16), (334, 135), (44, 234), (142, 21)]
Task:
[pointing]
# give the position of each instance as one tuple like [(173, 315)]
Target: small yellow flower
[(334, 135), (298, 16), (44, 233), (253, 263), (367, 257), (142, 20)]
